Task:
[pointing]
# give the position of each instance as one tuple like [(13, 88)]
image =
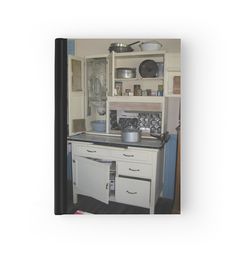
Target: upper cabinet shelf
[(139, 54), (140, 62), (139, 79), (147, 99)]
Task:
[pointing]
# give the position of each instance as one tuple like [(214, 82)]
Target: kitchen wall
[(71, 46), (169, 167), (173, 114)]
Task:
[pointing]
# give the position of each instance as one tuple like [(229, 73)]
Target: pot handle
[(133, 43)]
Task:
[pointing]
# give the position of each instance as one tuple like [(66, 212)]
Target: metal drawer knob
[(90, 151), (128, 155), (133, 169), (131, 192)]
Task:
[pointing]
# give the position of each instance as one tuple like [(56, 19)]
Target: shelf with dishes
[(139, 79), (139, 88), (138, 74)]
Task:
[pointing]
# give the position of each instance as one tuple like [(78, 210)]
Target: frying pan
[(121, 47)]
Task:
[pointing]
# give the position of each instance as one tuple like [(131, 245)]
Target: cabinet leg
[(75, 198), (151, 210)]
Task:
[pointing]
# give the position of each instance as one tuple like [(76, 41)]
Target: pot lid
[(123, 69), (131, 129), (148, 68)]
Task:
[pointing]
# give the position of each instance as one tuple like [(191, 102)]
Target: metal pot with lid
[(125, 73), (131, 134)]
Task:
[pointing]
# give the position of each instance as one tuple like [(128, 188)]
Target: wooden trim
[(176, 206), (134, 106)]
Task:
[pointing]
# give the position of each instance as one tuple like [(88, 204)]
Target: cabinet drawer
[(134, 169), (132, 192), (133, 155), (90, 151)]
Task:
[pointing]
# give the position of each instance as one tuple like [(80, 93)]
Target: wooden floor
[(90, 205)]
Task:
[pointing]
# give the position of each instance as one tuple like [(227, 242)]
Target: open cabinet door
[(93, 179), (76, 114), (111, 74)]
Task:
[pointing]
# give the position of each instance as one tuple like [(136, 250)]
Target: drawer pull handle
[(90, 151), (133, 169), (128, 155), (131, 192)]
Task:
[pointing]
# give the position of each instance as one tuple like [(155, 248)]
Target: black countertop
[(116, 141)]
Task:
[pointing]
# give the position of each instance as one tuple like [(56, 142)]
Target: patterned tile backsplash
[(145, 121)]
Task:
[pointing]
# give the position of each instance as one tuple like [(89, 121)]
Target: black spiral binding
[(60, 141)]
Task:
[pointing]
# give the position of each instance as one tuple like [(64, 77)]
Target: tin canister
[(136, 89), (144, 92)]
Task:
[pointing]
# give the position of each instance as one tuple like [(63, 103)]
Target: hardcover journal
[(117, 126)]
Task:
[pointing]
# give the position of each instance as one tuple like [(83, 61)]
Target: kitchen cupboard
[(92, 91), (131, 176)]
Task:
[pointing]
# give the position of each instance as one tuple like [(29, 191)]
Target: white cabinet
[(130, 175)]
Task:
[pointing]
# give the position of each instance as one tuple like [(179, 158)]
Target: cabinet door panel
[(76, 114), (93, 179)]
